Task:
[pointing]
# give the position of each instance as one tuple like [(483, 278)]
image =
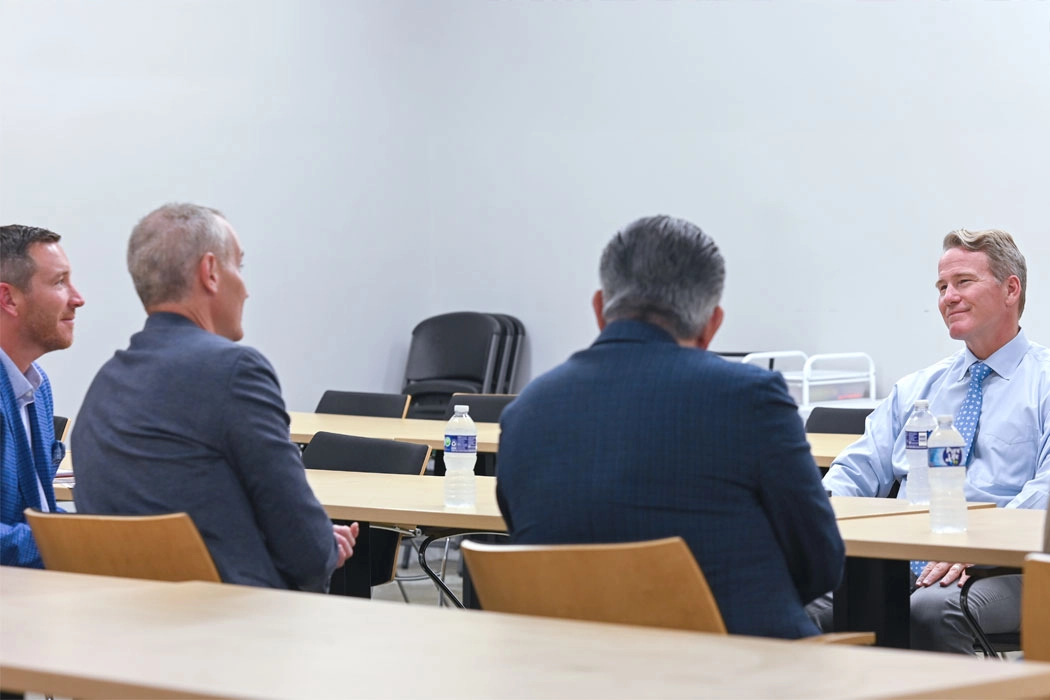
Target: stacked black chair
[(465, 352)]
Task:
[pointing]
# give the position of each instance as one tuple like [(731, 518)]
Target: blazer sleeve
[(298, 532), (793, 497), (17, 546)]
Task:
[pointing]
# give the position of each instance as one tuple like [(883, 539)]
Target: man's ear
[(708, 333), (208, 272), (598, 302), (1013, 291), (10, 296)]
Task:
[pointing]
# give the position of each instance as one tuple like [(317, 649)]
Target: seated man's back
[(186, 419), (639, 438)]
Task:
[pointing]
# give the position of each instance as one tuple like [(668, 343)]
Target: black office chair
[(61, 425), (844, 421), (360, 454), (361, 403), (450, 353), (484, 408), (994, 645)]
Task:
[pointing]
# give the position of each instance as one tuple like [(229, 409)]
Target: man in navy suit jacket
[(187, 419), (646, 434), (38, 303)]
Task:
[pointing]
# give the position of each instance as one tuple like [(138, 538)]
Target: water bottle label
[(461, 443), (916, 439), (946, 456)]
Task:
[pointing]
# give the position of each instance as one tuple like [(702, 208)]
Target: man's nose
[(76, 301)]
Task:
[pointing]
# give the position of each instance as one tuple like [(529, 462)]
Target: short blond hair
[(1004, 258)]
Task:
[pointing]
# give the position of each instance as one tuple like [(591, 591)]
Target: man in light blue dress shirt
[(981, 280)]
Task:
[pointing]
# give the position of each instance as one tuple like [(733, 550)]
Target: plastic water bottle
[(947, 478), (916, 431), (461, 452)]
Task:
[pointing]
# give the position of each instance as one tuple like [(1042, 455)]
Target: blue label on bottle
[(461, 443), (916, 439), (945, 457)]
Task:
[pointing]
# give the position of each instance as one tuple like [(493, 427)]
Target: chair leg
[(971, 621), (401, 587), (444, 563)]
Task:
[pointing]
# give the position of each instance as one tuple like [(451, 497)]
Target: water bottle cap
[(462, 409), (945, 420), (922, 404)]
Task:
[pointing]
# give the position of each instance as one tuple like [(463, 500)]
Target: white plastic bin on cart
[(822, 379)]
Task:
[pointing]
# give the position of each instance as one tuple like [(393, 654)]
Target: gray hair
[(16, 266), (166, 246), (1004, 258), (662, 269)]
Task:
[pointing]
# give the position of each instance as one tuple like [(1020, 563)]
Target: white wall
[(384, 161)]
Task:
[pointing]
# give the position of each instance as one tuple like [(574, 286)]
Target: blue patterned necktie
[(970, 410), (966, 422)]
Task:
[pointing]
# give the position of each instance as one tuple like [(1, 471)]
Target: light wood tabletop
[(849, 507), (998, 536), (401, 499), (827, 446), (197, 639), (427, 432)]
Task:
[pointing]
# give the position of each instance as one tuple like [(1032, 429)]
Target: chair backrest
[(61, 426), (157, 547), (350, 453), (484, 408), (362, 403), (1035, 608), (463, 345), (847, 421), (656, 583)]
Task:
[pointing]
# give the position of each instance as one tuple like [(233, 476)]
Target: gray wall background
[(388, 160)]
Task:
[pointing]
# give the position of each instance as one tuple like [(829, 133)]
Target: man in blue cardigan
[(646, 434), (38, 303)]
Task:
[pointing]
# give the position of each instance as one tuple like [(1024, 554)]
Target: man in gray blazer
[(186, 419)]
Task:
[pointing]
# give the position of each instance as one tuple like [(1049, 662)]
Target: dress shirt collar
[(1003, 361), (23, 385)]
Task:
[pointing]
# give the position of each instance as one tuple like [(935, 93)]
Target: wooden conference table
[(825, 446), (95, 637), (875, 590), (881, 536)]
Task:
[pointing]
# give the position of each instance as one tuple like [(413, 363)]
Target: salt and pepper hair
[(1004, 258), (664, 270), (167, 245), (16, 266)]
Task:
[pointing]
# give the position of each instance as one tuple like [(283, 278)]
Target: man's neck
[(21, 357), (982, 351)]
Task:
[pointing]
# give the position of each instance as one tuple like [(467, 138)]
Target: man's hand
[(943, 571), (345, 539)]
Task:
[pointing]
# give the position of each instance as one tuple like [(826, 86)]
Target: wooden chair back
[(156, 547), (656, 583), (1035, 607)]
